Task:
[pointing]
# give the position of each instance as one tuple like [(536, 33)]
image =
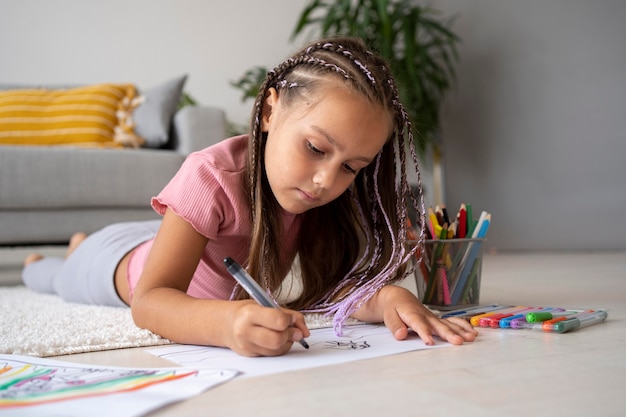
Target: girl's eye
[(313, 149), (349, 169), (318, 151)]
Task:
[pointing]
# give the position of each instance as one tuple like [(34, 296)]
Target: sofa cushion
[(153, 117), (43, 177), (154, 113), (92, 115)]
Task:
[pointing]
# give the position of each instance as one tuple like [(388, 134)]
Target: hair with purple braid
[(356, 244)]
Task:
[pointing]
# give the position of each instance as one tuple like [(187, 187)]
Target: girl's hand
[(401, 309), (160, 302), (262, 331)]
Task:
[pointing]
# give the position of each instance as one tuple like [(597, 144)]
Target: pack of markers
[(547, 319)]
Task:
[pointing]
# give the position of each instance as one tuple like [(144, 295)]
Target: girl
[(321, 175)]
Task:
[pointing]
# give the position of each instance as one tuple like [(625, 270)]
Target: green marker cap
[(538, 316), (566, 325)]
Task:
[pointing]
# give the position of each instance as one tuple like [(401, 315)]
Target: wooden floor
[(503, 373)]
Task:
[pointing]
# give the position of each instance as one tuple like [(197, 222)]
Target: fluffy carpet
[(44, 325)]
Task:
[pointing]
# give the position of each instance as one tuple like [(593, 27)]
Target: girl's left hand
[(402, 310)]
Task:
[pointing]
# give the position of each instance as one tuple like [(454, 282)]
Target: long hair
[(356, 244)]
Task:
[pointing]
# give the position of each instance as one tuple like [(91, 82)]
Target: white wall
[(534, 132), (146, 42)]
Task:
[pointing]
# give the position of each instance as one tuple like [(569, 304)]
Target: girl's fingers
[(421, 325), (299, 323), (425, 334), (396, 326), (455, 331), (464, 325), (272, 343), (269, 331)]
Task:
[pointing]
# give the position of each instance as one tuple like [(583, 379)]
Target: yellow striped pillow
[(96, 115)]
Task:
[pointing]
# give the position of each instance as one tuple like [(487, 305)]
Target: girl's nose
[(324, 177)]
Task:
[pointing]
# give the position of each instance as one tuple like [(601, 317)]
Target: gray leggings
[(87, 275)]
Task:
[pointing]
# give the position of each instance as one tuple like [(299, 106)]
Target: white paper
[(50, 387), (358, 342)]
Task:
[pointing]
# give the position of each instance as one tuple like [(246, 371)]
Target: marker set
[(547, 319)]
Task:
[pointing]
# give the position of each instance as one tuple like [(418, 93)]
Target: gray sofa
[(47, 193)]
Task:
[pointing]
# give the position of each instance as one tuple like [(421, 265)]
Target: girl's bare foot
[(33, 257), (75, 240)]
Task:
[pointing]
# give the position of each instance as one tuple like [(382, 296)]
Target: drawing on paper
[(326, 348), (349, 345), (28, 384)]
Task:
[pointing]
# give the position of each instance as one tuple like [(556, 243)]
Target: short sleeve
[(207, 192)]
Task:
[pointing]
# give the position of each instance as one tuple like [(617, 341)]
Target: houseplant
[(418, 44)]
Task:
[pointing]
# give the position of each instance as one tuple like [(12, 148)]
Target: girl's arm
[(160, 302), (400, 310)]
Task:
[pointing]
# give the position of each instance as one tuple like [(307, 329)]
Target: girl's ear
[(271, 100)]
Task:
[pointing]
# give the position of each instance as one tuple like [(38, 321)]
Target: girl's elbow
[(139, 313)]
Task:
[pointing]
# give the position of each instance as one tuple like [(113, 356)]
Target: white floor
[(504, 372)]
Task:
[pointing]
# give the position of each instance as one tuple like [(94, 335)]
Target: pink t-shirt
[(208, 191)]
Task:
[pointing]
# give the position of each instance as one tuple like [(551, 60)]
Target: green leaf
[(186, 100), (250, 82), (304, 18)]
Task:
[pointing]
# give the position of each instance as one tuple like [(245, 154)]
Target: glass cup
[(449, 275)]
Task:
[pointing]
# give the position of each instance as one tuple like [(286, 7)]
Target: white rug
[(44, 325)]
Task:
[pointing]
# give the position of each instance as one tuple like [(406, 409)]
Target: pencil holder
[(449, 274)]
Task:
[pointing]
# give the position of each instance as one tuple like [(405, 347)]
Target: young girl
[(321, 175)]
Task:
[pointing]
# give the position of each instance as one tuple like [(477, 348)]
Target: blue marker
[(471, 311)]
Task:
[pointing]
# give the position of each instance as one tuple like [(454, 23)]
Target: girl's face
[(315, 149)]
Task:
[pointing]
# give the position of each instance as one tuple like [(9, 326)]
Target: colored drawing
[(31, 383), (26, 384)]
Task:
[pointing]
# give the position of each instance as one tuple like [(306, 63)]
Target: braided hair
[(353, 246)]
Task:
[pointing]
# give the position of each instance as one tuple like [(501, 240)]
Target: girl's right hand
[(263, 331), (160, 302)]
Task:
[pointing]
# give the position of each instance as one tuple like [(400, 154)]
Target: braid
[(307, 59), (373, 212), (339, 48)]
